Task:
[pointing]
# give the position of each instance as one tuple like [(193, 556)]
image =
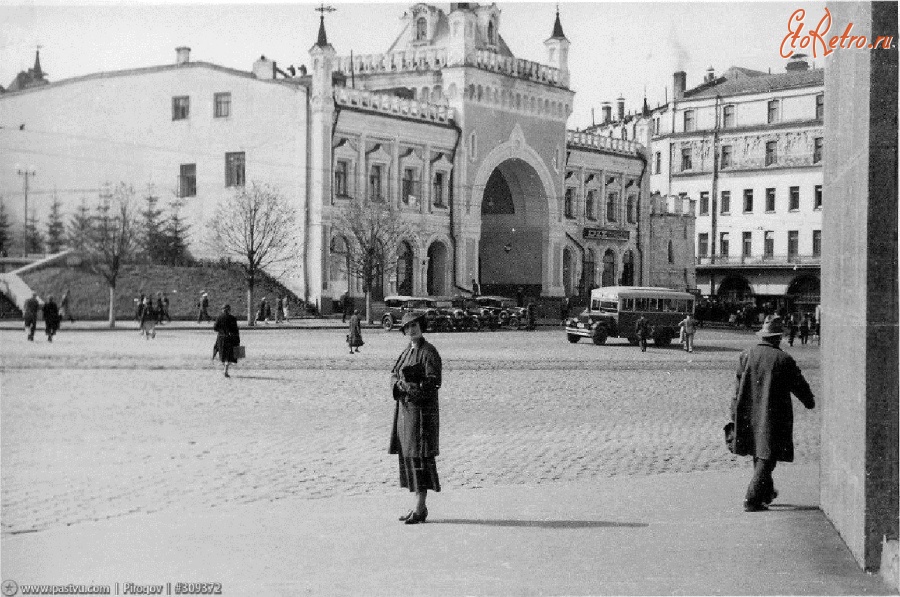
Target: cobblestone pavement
[(101, 424)]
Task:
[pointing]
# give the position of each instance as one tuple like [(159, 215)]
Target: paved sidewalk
[(663, 534)]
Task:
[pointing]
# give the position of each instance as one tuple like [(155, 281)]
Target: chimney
[(606, 107), (679, 85), (620, 107), (797, 63), (182, 55), (264, 68), (710, 74)]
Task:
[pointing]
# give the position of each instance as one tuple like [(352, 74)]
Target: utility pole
[(26, 173)]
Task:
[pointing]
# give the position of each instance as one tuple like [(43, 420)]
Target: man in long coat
[(762, 412), (30, 314), (51, 318)]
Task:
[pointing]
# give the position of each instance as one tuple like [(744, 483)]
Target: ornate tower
[(463, 29), (558, 51)]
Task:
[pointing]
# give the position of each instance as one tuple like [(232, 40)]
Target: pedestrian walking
[(138, 307), (688, 327), (203, 308), (279, 310), (287, 313), (762, 413), (804, 328), (30, 315), (530, 317), (51, 318), (354, 337), (642, 331), (228, 337), (65, 309), (476, 288), (262, 311), (415, 380), (148, 319), (160, 309), (165, 302), (794, 326)]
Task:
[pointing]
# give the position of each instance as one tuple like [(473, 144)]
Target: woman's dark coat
[(416, 429), (354, 338), (761, 409), (51, 316), (229, 337)]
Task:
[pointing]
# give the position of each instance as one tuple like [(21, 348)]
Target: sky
[(616, 48)]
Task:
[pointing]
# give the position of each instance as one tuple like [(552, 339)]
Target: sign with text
[(605, 234)]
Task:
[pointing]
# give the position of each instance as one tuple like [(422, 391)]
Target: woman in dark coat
[(415, 380), (228, 337), (354, 338), (51, 318)]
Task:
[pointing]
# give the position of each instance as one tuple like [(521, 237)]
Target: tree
[(34, 241), (175, 237), (112, 238), (5, 230), (256, 227), (79, 226), (152, 240), (55, 228), (375, 231)]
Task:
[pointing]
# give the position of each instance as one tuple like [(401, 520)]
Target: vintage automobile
[(463, 312), (500, 311), (396, 306), (613, 312)]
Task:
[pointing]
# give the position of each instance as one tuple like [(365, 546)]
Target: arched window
[(627, 278), (567, 271), (589, 205), (491, 39), (611, 201), (404, 269), (339, 263), (590, 263), (609, 268), (671, 252), (422, 29), (631, 206), (569, 203)]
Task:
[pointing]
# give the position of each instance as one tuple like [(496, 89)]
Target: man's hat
[(771, 327), (410, 317)]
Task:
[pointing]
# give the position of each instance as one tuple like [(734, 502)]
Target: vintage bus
[(614, 310)]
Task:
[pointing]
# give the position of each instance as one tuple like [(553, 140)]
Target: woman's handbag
[(729, 436), (240, 352)]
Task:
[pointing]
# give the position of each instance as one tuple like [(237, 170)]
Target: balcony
[(759, 261)]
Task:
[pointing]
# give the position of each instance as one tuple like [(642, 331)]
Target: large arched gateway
[(514, 230)]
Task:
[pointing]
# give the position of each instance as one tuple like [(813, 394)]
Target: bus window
[(595, 305), (652, 305), (628, 304), (609, 306), (641, 304)]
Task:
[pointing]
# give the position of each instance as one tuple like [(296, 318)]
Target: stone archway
[(735, 288), (436, 278), (804, 292), (627, 278)]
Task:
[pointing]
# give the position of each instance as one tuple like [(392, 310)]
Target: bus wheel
[(662, 339), (599, 336), (633, 340), (573, 338), (388, 322)]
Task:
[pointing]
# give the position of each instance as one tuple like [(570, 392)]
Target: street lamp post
[(26, 173)]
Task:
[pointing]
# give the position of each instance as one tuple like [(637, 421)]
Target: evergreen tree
[(34, 240), (5, 230), (175, 248), (79, 226), (55, 227), (152, 239)]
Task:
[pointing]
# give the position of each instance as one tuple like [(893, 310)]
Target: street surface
[(99, 424)]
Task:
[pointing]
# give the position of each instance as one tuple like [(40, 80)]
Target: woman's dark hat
[(408, 318), (771, 327)]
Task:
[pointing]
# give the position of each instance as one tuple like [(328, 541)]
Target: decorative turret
[(461, 43), (558, 51), (322, 55)]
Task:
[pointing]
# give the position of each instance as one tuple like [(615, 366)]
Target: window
[(421, 29), (773, 111), (671, 252), (410, 190), (630, 215), (473, 147), (569, 209), (656, 126), (793, 244), (376, 190), (771, 152), (340, 178), (222, 102), (723, 244), (820, 106), (817, 200), (768, 244), (187, 180), (624, 134), (728, 117), (490, 32), (657, 163), (726, 202), (726, 156), (817, 243), (234, 169), (703, 244), (611, 200), (437, 189), (748, 200), (817, 150), (688, 121), (704, 203), (794, 199), (181, 107), (770, 200), (686, 163), (747, 244), (589, 205)]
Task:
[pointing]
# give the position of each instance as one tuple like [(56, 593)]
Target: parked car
[(458, 313), (501, 310), (396, 306)]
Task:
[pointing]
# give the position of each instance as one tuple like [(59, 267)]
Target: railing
[(391, 104), (580, 139), (516, 67), (759, 260)]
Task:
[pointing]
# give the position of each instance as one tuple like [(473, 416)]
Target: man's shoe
[(772, 497), (754, 507)]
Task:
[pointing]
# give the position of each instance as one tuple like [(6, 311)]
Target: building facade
[(467, 141)]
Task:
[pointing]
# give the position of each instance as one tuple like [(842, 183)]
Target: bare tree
[(375, 231), (255, 226), (112, 238)]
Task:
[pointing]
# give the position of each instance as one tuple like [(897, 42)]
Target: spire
[(38, 73), (323, 39), (557, 27)]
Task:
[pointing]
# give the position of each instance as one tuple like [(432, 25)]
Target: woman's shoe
[(405, 517), (416, 518)]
